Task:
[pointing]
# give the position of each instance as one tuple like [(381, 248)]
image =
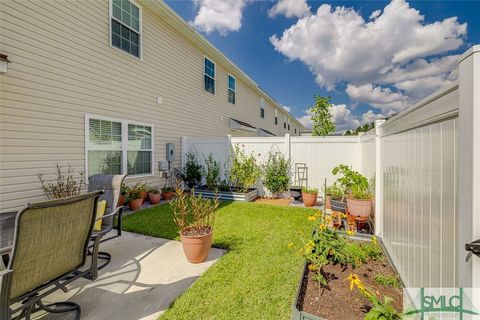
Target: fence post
[(378, 178), (287, 146), (468, 193), (359, 153)]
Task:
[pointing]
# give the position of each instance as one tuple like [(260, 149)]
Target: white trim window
[(262, 108), (125, 26), (276, 116), (209, 76), (284, 122), (232, 86), (115, 146)]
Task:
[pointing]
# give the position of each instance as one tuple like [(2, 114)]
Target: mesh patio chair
[(49, 248), (111, 185)]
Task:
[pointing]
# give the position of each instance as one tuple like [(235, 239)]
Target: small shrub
[(335, 192), (168, 188), (154, 190), (372, 249), (124, 190), (276, 173), (134, 194), (244, 171), (211, 172), (350, 178), (192, 172), (388, 281), (309, 190), (64, 185)]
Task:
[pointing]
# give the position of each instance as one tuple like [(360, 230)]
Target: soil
[(278, 202), (196, 231), (337, 302)]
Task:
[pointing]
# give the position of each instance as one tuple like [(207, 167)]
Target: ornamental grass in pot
[(309, 196), (194, 217), (154, 195), (135, 199)]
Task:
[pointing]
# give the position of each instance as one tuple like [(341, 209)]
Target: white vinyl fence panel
[(367, 155)]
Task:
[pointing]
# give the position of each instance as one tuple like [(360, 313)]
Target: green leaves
[(323, 124), (211, 171), (276, 172), (244, 171)]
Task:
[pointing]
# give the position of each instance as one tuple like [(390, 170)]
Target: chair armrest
[(114, 212)]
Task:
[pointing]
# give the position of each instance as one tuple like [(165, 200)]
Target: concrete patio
[(145, 276)]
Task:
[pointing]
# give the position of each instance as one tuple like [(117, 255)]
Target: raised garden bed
[(234, 194), (337, 301)]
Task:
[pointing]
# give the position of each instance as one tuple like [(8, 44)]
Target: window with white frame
[(262, 108), (125, 23), (209, 75), (231, 89), (276, 116), (284, 122), (288, 124), (118, 147)]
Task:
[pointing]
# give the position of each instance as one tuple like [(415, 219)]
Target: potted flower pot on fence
[(309, 196), (168, 193), (154, 195), (194, 218), (135, 200)]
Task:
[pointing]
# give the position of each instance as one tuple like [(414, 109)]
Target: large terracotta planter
[(168, 195), (360, 208), (309, 199), (121, 200), (154, 198), (135, 204), (196, 248)]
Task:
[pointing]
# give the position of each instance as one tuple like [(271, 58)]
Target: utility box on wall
[(170, 152)]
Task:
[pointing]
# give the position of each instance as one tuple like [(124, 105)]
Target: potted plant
[(168, 193), (142, 187), (360, 203), (135, 200), (192, 172), (124, 190), (309, 196), (348, 178), (154, 195), (194, 217), (276, 173), (335, 198)]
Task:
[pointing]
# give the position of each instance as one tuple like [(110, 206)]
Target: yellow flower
[(350, 232), (374, 240), (311, 267), (290, 245), (322, 227), (311, 218), (354, 281)]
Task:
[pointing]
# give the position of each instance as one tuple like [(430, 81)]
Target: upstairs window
[(231, 89), (125, 24), (284, 122), (295, 130), (262, 108), (276, 117), (209, 76)]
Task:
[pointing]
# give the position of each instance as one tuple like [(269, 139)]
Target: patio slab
[(145, 276)]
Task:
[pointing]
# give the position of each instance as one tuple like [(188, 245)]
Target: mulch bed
[(278, 202), (337, 302)]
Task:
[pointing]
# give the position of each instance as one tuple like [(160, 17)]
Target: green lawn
[(256, 279)]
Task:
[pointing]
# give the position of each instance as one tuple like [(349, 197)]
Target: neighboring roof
[(172, 18), (241, 125), (267, 132)]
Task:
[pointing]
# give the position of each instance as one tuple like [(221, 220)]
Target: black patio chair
[(111, 186), (49, 249)]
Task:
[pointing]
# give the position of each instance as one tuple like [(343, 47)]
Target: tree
[(323, 124)]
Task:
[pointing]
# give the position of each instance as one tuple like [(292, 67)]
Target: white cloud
[(290, 8), (219, 15), (342, 116), (381, 98), (389, 61), (370, 116), (287, 108)]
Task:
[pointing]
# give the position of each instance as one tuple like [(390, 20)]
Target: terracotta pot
[(135, 204), (168, 195), (144, 195), (196, 249), (360, 208), (328, 204), (121, 200), (338, 205), (309, 200), (154, 198)]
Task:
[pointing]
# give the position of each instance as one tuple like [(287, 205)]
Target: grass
[(388, 281), (257, 277)]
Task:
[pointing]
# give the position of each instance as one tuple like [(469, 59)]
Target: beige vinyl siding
[(62, 67)]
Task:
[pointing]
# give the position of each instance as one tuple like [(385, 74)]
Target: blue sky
[(374, 58)]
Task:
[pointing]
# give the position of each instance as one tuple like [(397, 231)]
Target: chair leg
[(104, 256), (61, 307)]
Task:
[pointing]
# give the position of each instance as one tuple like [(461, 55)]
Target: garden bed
[(337, 301), (234, 194)]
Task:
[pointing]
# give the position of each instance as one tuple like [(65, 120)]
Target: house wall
[(63, 67)]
